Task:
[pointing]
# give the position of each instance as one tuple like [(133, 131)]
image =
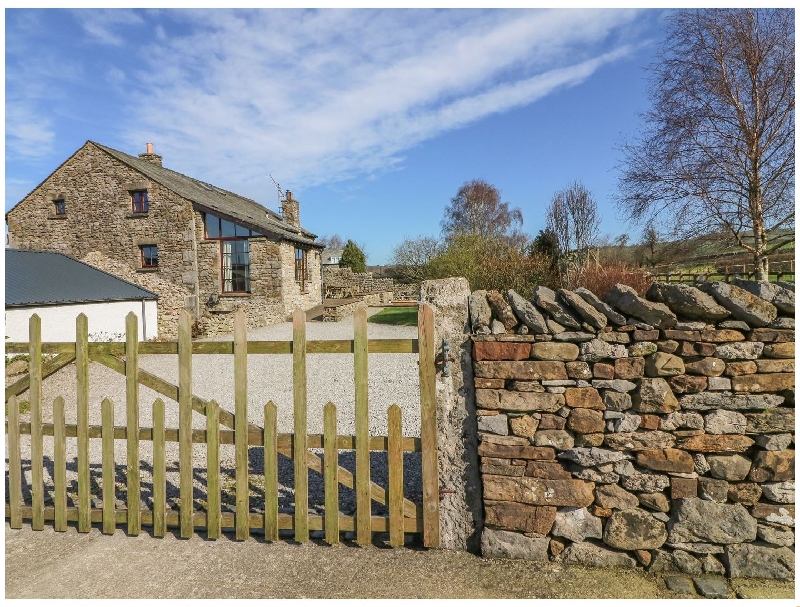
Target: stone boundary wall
[(347, 283), (653, 432)]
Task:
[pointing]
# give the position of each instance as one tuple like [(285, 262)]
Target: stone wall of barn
[(653, 432)]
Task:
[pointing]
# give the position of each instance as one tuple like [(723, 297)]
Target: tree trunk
[(761, 268)]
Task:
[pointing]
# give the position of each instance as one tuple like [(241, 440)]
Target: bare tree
[(717, 153), (572, 217), (649, 245), (332, 241), (412, 256), (477, 209)]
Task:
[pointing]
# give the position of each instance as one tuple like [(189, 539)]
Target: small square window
[(61, 206), (139, 201), (149, 256)]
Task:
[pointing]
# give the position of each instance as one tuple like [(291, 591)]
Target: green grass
[(396, 316)]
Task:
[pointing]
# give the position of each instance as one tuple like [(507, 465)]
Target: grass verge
[(396, 316)]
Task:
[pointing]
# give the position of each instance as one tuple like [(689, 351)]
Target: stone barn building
[(197, 246)]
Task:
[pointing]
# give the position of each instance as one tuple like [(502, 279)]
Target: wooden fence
[(404, 516), (724, 275)]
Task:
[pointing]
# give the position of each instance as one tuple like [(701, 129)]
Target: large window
[(139, 201), (235, 266), (300, 267), (234, 251)]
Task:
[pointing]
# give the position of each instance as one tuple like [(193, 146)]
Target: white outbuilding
[(58, 288)]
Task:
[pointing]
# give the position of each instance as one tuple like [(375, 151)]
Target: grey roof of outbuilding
[(328, 253), (48, 278), (212, 198)]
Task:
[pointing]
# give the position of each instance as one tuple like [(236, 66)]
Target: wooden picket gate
[(404, 516)]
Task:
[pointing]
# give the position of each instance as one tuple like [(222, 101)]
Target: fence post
[(300, 427), (59, 466), (82, 380), (185, 454), (159, 471), (107, 416), (331, 475), (363, 499), (132, 409), (271, 472), (430, 465), (37, 463), (240, 409), (14, 464)]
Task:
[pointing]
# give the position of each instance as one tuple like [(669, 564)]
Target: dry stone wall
[(342, 282), (652, 431)]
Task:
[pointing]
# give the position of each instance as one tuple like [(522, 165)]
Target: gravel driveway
[(393, 378)]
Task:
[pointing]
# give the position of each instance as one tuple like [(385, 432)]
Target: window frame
[(144, 258), (223, 254), (60, 206), (300, 266), (140, 207)]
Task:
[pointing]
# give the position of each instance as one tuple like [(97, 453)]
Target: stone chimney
[(290, 210), (149, 156)]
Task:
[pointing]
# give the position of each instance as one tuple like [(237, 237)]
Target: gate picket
[(35, 399), (271, 472), (132, 409), (185, 424), (214, 510), (430, 462), (240, 409), (331, 476), (395, 459), (300, 427), (82, 380), (159, 471), (59, 466), (107, 413), (14, 464), (363, 501)]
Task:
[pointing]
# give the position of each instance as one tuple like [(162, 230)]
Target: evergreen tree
[(353, 257)]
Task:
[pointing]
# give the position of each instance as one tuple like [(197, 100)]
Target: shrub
[(599, 280), (492, 264)]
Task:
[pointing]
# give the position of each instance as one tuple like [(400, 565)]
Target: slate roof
[(328, 253), (210, 197), (48, 278)]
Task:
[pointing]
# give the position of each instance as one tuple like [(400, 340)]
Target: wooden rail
[(403, 515), (695, 278)]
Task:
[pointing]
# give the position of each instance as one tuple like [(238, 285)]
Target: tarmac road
[(47, 564)]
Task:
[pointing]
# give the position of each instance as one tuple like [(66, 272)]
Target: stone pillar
[(461, 505)]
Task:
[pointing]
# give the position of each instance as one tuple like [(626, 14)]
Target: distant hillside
[(721, 249), (715, 251)]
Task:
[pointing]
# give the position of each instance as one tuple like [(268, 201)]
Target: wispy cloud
[(107, 26), (320, 96), (27, 133)]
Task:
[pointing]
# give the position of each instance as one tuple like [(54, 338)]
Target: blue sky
[(373, 119)]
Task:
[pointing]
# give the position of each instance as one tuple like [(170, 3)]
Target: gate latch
[(446, 358)]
